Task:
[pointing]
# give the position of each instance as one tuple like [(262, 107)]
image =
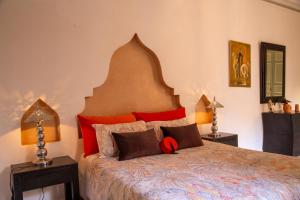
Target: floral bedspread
[(213, 171)]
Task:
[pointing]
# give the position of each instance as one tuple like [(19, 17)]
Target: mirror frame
[(264, 46)]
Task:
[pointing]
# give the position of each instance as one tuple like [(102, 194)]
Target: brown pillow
[(185, 136), (137, 144)]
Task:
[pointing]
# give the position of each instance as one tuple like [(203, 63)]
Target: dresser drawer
[(281, 133)]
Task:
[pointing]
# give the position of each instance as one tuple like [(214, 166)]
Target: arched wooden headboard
[(134, 83)]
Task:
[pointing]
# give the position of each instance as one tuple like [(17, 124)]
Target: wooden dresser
[(281, 133)]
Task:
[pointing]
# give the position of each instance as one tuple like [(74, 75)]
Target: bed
[(210, 172), (213, 171)]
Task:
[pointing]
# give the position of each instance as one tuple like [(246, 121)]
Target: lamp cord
[(42, 194)]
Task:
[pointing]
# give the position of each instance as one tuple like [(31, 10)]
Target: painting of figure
[(239, 64)]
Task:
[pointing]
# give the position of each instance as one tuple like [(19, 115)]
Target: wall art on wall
[(239, 64)]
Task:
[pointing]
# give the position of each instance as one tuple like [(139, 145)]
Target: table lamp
[(33, 127), (213, 106)]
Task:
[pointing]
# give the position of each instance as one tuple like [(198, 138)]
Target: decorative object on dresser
[(297, 109), (213, 106), (27, 176), (281, 133), (287, 108), (272, 72), (224, 138), (271, 105), (36, 117), (239, 64)]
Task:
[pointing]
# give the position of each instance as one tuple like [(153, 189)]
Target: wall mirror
[(272, 72)]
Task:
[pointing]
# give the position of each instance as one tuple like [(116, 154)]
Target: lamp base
[(42, 162)]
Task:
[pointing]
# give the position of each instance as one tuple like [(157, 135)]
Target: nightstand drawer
[(224, 138), (45, 178), (230, 142)]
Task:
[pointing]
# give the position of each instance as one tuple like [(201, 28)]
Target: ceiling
[(295, 1), (290, 4)]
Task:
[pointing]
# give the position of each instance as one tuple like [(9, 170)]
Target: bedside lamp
[(36, 120), (213, 106)]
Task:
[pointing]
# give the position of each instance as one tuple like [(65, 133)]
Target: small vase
[(287, 108), (297, 109)]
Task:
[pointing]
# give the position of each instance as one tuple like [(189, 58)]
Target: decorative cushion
[(106, 142), (168, 145), (90, 145), (172, 123), (138, 144), (161, 116), (185, 136)]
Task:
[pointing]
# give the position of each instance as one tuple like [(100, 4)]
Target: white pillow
[(171, 123), (106, 142)]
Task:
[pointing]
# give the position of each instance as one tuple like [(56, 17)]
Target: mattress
[(210, 172)]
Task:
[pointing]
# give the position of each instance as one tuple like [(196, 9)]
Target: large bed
[(213, 171), (209, 172)]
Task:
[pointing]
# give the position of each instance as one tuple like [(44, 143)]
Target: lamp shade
[(50, 120), (214, 104)]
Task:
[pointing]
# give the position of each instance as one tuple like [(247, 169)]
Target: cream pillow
[(171, 123), (106, 143)]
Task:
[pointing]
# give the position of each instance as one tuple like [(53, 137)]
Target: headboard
[(134, 83)]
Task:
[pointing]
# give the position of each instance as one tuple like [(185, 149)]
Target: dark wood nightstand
[(224, 138), (27, 176)]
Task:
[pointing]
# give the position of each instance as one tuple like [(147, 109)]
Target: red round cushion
[(168, 145)]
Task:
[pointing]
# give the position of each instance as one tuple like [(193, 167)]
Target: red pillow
[(161, 116), (168, 145), (90, 145)]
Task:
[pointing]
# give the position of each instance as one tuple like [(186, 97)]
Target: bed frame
[(134, 83)]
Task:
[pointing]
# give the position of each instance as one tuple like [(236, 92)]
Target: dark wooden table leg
[(17, 192), (68, 191), (75, 188), (18, 195)]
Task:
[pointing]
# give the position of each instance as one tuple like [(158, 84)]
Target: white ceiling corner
[(290, 4)]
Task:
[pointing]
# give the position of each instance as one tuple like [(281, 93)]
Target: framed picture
[(239, 64)]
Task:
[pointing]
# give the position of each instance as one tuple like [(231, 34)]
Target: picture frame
[(239, 64)]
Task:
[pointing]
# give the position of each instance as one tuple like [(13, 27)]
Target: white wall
[(61, 50)]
